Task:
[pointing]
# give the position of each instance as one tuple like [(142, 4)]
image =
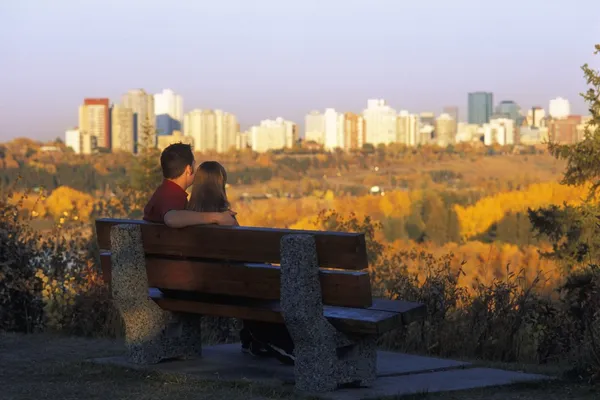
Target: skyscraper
[(168, 108), (94, 120), (480, 107), (142, 105), (211, 130), (354, 131), (409, 128), (314, 127), (334, 129), (509, 109), (445, 130)]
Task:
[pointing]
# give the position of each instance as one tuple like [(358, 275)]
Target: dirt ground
[(53, 367)]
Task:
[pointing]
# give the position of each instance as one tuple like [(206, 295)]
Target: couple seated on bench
[(208, 204)]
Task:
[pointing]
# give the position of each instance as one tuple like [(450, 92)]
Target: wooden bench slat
[(351, 320), (340, 250), (259, 281)]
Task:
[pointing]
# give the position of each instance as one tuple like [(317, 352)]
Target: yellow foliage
[(70, 201), (479, 217)]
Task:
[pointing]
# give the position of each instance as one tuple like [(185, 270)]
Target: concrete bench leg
[(151, 334), (325, 357)]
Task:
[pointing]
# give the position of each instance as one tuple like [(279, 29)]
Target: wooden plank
[(246, 244), (259, 281), (350, 320), (410, 311)]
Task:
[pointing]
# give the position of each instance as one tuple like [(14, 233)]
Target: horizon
[(241, 58)]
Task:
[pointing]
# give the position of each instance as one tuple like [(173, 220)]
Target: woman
[(209, 195), (208, 190)]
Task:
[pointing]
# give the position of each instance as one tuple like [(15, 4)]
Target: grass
[(53, 367)]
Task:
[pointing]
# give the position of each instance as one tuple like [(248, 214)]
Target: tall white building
[(271, 135), (142, 105), (211, 130), (314, 127), (168, 109), (334, 129), (408, 129), (499, 131), (381, 122), (559, 108), (73, 140)]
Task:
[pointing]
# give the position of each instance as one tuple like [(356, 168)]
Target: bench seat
[(382, 316)]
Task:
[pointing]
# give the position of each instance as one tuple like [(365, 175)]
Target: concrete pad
[(397, 373), (444, 381)]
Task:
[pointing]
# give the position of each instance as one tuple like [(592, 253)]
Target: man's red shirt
[(169, 196)]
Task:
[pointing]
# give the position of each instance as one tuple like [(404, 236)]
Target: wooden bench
[(162, 280)]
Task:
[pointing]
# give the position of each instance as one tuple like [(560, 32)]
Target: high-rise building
[(480, 107), (409, 129), (451, 111), (168, 109), (559, 108), (467, 132), (142, 105), (334, 129), (272, 135), (509, 109), (211, 130), (499, 131), (536, 117), (243, 140), (354, 131), (314, 127), (381, 122), (427, 118), (226, 132), (164, 141), (122, 127), (81, 142), (564, 130), (445, 130), (94, 119)]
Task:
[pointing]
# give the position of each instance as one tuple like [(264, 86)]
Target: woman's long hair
[(208, 189)]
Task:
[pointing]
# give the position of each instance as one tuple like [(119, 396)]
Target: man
[(167, 204)]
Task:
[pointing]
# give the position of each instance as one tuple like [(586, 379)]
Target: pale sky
[(266, 58)]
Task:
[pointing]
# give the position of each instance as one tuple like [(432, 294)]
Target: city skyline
[(261, 62)]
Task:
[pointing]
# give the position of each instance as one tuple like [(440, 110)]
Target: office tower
[(499, 131), (271, 135), (122, 127), (94, 119), (354, 131), (314, 127), (409, 129), (480, 107), (168, 109), (142, 105), (559, 108), (427, 118), (381, 122), (445, 130), (509, 109), (452, 111)]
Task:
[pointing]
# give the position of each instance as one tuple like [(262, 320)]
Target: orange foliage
[(65, 201)]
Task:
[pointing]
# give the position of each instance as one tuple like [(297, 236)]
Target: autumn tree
[(146, 173)]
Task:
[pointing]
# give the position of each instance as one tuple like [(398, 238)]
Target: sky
[(262, 59)]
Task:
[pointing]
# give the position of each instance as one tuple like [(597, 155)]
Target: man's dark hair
[(175, 158)]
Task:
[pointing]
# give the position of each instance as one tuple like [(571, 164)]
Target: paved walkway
[(398, 373)]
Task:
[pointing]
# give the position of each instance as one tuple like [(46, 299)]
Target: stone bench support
[(151, 334), (325, 358)]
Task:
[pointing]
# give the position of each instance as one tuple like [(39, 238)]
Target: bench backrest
[(232, 260)]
